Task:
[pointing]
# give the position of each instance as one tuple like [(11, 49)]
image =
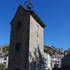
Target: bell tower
[(26, 35), (28, 5)]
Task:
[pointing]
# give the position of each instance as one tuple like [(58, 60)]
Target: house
[(3, 49), (56, 60), (48, 60), (26, 39), (4, 60), (66, 62), (4, 56)]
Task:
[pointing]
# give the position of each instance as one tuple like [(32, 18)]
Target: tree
[(6, 49), (2, 67), (54, 49)]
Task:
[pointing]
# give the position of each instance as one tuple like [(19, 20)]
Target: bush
[(2, 67)]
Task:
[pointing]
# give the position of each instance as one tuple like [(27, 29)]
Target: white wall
[(49, 61), (3, 61), (47, 57)]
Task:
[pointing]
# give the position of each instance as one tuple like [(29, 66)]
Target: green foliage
[(5, 49), (2, 67), (49, 50), (54, 49)]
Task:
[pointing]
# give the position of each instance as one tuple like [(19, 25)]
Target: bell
[(29, 7)]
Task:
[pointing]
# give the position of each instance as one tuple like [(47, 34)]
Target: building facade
[(48, 59), (4, 60), (2, 52), (56, 61), (4, 55), (66, 62), (26, 37)]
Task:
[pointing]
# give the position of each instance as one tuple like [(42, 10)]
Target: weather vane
[(28, 4)]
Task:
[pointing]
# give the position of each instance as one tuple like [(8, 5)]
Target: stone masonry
[(24, 39)]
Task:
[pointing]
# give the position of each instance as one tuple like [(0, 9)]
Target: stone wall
[(18, 60), (29, 36), (36, 37)]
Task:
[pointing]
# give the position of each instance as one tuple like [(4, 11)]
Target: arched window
[(37, 26)]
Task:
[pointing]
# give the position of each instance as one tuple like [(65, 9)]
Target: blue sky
[(54, 13)]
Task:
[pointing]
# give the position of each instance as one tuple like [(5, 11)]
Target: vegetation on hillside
[(6, 49), (51, 49), (54, 49)]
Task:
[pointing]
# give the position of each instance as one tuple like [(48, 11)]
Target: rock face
[(26, 36)]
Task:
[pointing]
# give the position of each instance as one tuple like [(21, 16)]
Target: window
[(37, 34), (4, 62), (16, 69), (4, 58), (58, 58), (17, 47), (37, 26), (18, 24)]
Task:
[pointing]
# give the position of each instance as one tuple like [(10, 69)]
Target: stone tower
[(26, 35)]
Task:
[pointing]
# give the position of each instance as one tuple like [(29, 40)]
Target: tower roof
[(31, 13)]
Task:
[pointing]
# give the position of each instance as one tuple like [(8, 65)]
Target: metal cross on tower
[(28, 4)]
